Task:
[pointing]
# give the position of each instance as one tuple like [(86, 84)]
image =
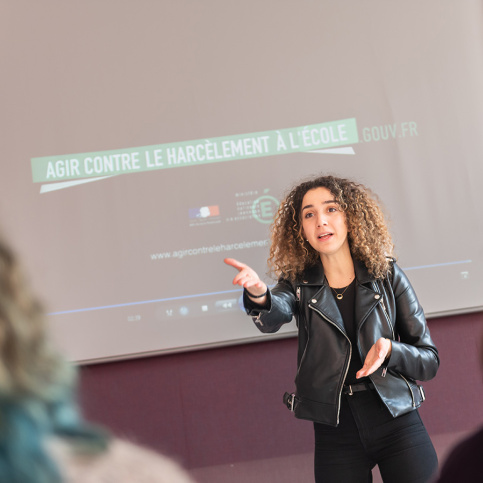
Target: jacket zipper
[(350, 355), (410, 391), (303, 355), (257, 319), (388, 319), (308, 335), (383, 307)]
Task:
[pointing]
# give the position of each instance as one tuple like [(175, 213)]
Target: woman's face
[(323, 222)]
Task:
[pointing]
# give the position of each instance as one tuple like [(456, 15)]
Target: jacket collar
[(365, 297)]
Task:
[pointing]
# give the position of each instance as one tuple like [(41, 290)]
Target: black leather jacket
[(383, 308)]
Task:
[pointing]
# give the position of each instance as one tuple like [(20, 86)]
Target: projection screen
[(144, 142)]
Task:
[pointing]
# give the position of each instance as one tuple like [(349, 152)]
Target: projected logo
[(264, 209), (204, 212), (204, 215)]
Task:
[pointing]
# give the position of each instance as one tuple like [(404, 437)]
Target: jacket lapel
[(366, 297), (322, 301)]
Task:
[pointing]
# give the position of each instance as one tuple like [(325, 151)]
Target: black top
[(346, 307)]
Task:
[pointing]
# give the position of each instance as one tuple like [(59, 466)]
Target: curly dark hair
[(369, 238)]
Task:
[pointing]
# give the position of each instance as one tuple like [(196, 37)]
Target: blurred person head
[(43, 438), (36, 385)]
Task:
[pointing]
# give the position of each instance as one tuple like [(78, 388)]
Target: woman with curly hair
[(362, 335)]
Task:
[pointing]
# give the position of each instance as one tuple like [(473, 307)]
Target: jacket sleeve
[(415, 354), (279, 308)]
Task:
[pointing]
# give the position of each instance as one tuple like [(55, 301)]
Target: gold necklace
[(340, 296)]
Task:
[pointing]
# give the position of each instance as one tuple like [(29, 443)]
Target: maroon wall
[(225, 405)]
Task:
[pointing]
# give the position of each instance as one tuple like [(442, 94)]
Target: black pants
[(368, 435)]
